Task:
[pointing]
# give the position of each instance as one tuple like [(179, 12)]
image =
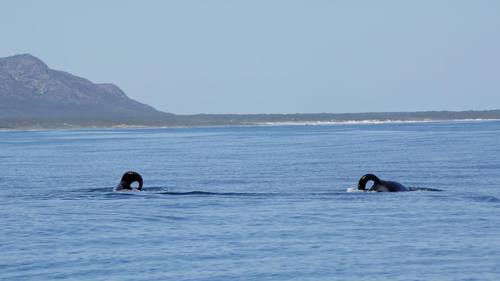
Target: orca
[(127, 179), (380, 185)]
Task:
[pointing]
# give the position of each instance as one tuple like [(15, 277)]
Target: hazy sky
[(189, 57)]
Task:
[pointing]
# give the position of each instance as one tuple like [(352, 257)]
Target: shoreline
[(256, 124)]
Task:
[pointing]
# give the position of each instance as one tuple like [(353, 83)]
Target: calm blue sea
[(252, 203)]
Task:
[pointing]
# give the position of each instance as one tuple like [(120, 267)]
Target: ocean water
[(252, 203)]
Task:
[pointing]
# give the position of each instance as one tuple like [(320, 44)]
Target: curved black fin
[(366, 178), (130, 177)]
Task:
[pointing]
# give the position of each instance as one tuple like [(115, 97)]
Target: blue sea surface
[(252, 203)]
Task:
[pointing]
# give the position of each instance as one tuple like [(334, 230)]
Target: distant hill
[(28, 88)]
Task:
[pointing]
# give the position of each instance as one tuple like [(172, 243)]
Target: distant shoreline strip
[(285, 123)]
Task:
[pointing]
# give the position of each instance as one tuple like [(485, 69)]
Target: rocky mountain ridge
[(28, 87)]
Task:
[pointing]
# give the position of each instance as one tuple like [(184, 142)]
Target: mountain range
[(28, 87)]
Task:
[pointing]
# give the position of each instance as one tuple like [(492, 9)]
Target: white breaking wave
[(374, 121)]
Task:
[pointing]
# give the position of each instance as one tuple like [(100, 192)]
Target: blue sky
[(189, 57)]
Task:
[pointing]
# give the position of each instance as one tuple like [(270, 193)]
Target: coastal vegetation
[(172, 120)]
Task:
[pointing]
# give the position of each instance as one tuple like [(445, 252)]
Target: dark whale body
[(127, 179), (380, 185)]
